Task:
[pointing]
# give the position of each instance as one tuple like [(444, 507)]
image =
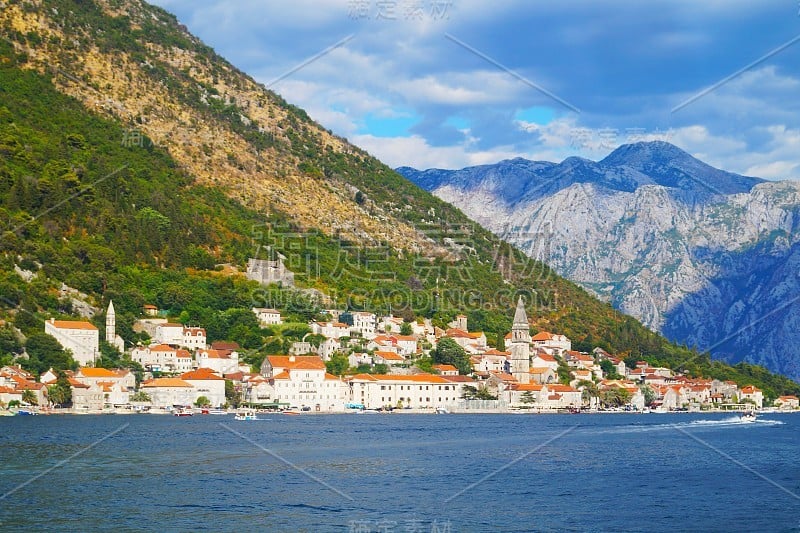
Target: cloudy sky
[(437, 83)]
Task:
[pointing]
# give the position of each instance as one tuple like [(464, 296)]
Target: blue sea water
[(399, 472)]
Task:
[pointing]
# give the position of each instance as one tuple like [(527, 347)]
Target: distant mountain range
[(707, 257)]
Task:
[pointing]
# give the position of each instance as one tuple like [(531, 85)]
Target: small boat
[(26, 412), (217, 412), (442, 411), (246, 415), (184, 411), (748, 416)]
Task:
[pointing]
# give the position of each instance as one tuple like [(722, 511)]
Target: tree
[(9, 342), (425, 364), (609, 370), (45, 352), (589, 391), (202, 401), (231, 395), (141, 396), (648, 393), (485, 394), (406, 329), (468, 392), (314, 339), (615, 397), (57, 394), (564, 373), (449, 352), (338, 364), (527, 397), (29, 397)]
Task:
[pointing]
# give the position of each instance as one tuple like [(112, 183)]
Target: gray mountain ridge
[(709, 258)]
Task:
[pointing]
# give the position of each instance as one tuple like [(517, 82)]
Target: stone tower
[(111, 323), (521, 345), (111, 329)]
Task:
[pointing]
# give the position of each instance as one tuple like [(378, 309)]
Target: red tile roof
[(305, 362), (73, 324), (202, 374)]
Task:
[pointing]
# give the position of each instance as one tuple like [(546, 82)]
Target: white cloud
[(407, 67), (415, 151)]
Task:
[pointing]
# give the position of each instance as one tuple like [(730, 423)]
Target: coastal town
[(388, 368)]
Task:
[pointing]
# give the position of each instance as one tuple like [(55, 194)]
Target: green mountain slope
[(123, 177)]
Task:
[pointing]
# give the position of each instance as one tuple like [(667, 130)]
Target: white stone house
[(330, 330), (357, 358), (388, 358), (329, 347), (420, 391), (87, 397), (753, 394), (89, 375), (166, 392), (364, 323), (561, 396), (207, 383), (472, 342), (517, 392), (194, 338), (491, 361), (302, 381), (169, 333), (78, 336), (268, 317), (542, 359), (787, 402), (163, 358), (219, 362), (552, 343)]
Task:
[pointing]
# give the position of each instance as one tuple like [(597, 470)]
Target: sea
[(401, 472)]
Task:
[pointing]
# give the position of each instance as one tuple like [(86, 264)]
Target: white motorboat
[(748, 416)]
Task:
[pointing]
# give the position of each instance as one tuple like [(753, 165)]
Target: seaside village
[(182, 369)]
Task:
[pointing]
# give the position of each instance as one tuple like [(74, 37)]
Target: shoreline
[(454, 411)]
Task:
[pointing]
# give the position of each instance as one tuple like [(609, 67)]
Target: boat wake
[(734, 421), (731, 422)]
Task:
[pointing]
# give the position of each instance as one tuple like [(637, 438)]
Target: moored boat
[(183, 411)]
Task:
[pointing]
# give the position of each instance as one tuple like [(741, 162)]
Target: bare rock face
[(709, 258)]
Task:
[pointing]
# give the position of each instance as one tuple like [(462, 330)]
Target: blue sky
[(437, 83)]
